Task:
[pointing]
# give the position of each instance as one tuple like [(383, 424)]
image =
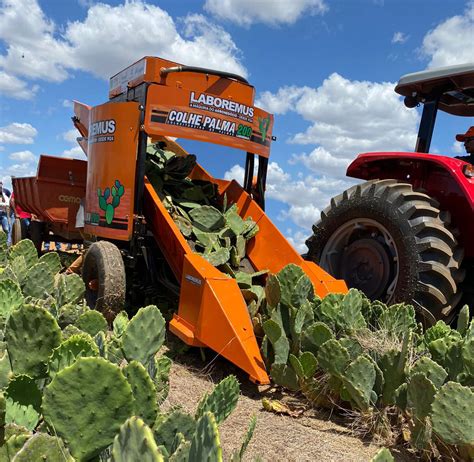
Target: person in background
[(5, 212), (25, 217), (468, 140)]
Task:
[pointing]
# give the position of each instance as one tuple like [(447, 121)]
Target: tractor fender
[(440, 177)]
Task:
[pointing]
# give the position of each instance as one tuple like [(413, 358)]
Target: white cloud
[(20, 169), (247, 12), (458, 148), (75, 152), (399, 37), (109, 39), (16, 88), (18, 133), (452, 41), (67, 103), (71, 135), (281, 101), (305, 197), (23, 156), (346, 118), (297, 239)]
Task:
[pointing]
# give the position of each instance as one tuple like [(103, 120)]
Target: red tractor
[(406, 234)]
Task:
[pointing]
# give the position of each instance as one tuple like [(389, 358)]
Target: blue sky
[(325, 68)]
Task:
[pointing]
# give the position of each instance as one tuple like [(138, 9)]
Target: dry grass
[(314, 436)]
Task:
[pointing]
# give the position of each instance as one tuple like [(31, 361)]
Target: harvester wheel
[(17, 234), (392, 243), (103, 273)]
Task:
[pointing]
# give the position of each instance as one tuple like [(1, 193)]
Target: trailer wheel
[(17, 234), (392, 243), (103, 273)]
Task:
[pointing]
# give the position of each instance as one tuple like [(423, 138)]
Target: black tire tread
[(438, 257)]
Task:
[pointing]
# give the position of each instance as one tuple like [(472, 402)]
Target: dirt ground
[(314, 436)]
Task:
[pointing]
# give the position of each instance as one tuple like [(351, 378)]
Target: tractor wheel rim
[(363, 253)]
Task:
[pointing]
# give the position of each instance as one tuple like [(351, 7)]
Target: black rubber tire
[(17, 234), (37, 232), (429, 258), (103, 262)]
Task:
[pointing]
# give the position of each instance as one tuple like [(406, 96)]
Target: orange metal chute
[(212, 311)]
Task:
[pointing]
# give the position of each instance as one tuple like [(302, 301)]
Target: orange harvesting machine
[(161, 100)]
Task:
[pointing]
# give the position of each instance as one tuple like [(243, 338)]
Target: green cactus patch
[(70, 402)]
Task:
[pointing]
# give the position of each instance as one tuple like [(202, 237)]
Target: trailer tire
[(394, 244), (37, 231), (17, 234), (103, 273)]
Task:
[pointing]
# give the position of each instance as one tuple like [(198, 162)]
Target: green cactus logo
[(115, 193), (264, 125)]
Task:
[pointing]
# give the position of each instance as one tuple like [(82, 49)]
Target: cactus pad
[(433, 371), (314, 336), (39, 281), (144, 392), (52, 260), (277, 337), (359, 380), (31, 335), (452, 414), (288, 277), (333, 357), (120, 323), (207, 218), (420, 394), (23, 402), (86, 404), (463, 320), (221, 401), (205, 444), (76, 346), (135, 442), (11, 297), (92, 322), (25, 248), (273, 290), (43, 447), (144, 335), (69, 289), (169, 426)]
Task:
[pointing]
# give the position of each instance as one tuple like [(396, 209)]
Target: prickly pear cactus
[(91, 395), (26, 249), (206, 444), (70, 289), (144, 335), (207, 218), (92, 322), (23, 402), (433, 371), (76, 346), (120, 323), (167, 427), (384, 455), (452, 414), (39, 281), (11, 297), (276, 334), (359, 381), (43, 447), (52, 260), (314, 336), (221, 401), (135, 442), (144, 392), (273, 290), (288, 278), (333, 357), (31, 335)]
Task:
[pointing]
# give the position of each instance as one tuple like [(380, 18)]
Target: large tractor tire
[(17, 232), (103, 273), (392, 243)]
